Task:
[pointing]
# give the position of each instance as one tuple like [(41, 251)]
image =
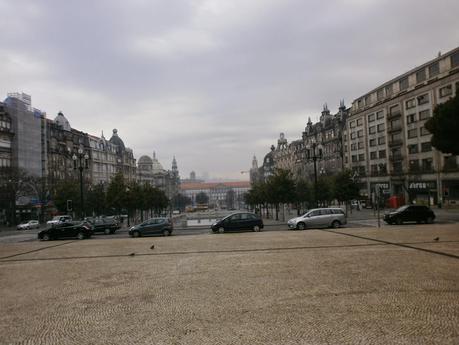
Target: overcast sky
[(211, 81)]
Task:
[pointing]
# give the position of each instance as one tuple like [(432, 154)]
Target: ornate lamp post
[(80, 162), (314, 152)]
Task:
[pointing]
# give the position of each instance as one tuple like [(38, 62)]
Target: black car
[(105, 225), (410, 213), (152, 226), (237, 222), (79, 230)]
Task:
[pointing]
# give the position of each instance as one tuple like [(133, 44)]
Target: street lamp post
[(80, 162), (314, 153)]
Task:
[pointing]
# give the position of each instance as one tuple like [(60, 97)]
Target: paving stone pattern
[(296, 287)]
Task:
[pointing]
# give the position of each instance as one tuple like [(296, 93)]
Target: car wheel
[(107, 232), (429, 220), (301, 226), (136, 234), (335, 224), (80, 236), (46, 237), (398, 221), (166, 232), (256, 228), (221, 230)]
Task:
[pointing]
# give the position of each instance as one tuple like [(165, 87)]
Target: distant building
[(192, 178), (104, 159), (125, 161), (221, 194), (151, 171)]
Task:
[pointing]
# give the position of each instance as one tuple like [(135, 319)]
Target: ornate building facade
[(151, 171), (296, 156)]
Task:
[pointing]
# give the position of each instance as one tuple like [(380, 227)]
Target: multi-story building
[(104, 159), (6, 138), (385, 140), (62, 143), (27, 150), (151, 171), (125, 161), (296, 156)]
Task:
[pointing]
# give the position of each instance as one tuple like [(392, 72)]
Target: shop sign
[(422, 185)]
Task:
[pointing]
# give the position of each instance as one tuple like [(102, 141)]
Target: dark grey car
[(153, 226)]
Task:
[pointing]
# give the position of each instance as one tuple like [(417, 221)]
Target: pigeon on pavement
[(436, 239)]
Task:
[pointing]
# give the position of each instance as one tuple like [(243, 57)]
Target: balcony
[(395, 114), (395, 128), (397, 157), (395, 142)]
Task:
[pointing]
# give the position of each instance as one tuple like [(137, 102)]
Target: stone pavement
[(351, 286)]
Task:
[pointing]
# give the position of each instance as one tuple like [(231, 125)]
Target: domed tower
[(62, 121), (116, 140)]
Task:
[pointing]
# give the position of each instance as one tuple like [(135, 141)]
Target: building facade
[(387, 145), (221, 195), (6, 138), (150, 170), (296, 156)]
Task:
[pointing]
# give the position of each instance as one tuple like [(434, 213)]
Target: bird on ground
[(436, 239), (132, 254), (152, 247)]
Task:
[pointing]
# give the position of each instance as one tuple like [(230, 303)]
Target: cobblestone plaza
[(397, 285)]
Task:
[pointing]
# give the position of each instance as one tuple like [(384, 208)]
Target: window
[(359, 103), (367, 102), (446, 90), (374, 169), (360, 145), (424, 114), (381, 127), (372, 130), (359, 122), (379, 115), (371, 117), (381, 140), (352, 124), (382, 154), (388, 90), (455, 60), (353, 135), (403, 83), (414, 165), (354, 158), (411, 103), (361, 157), (412, 133), (372, 142), (426, 147), (434, 69), (395, 124), (373, 155), (413, 148), (424, 131), (423, 99), (395, 110), (353, 147), (411, 118), (427, 164), (420, 75), (360, 133), (380, 94)]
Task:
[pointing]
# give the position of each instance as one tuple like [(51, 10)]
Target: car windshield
[(400, 209)]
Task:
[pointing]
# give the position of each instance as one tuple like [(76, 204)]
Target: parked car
[(59, 220), (79, 230), (410, 213), (107, 225), (238, 221), (318, 218), (160, 225), (31, 224)]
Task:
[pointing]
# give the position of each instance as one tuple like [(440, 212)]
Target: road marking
[(395, 244)]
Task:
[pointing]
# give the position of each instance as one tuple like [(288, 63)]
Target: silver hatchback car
[(319, 218)]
